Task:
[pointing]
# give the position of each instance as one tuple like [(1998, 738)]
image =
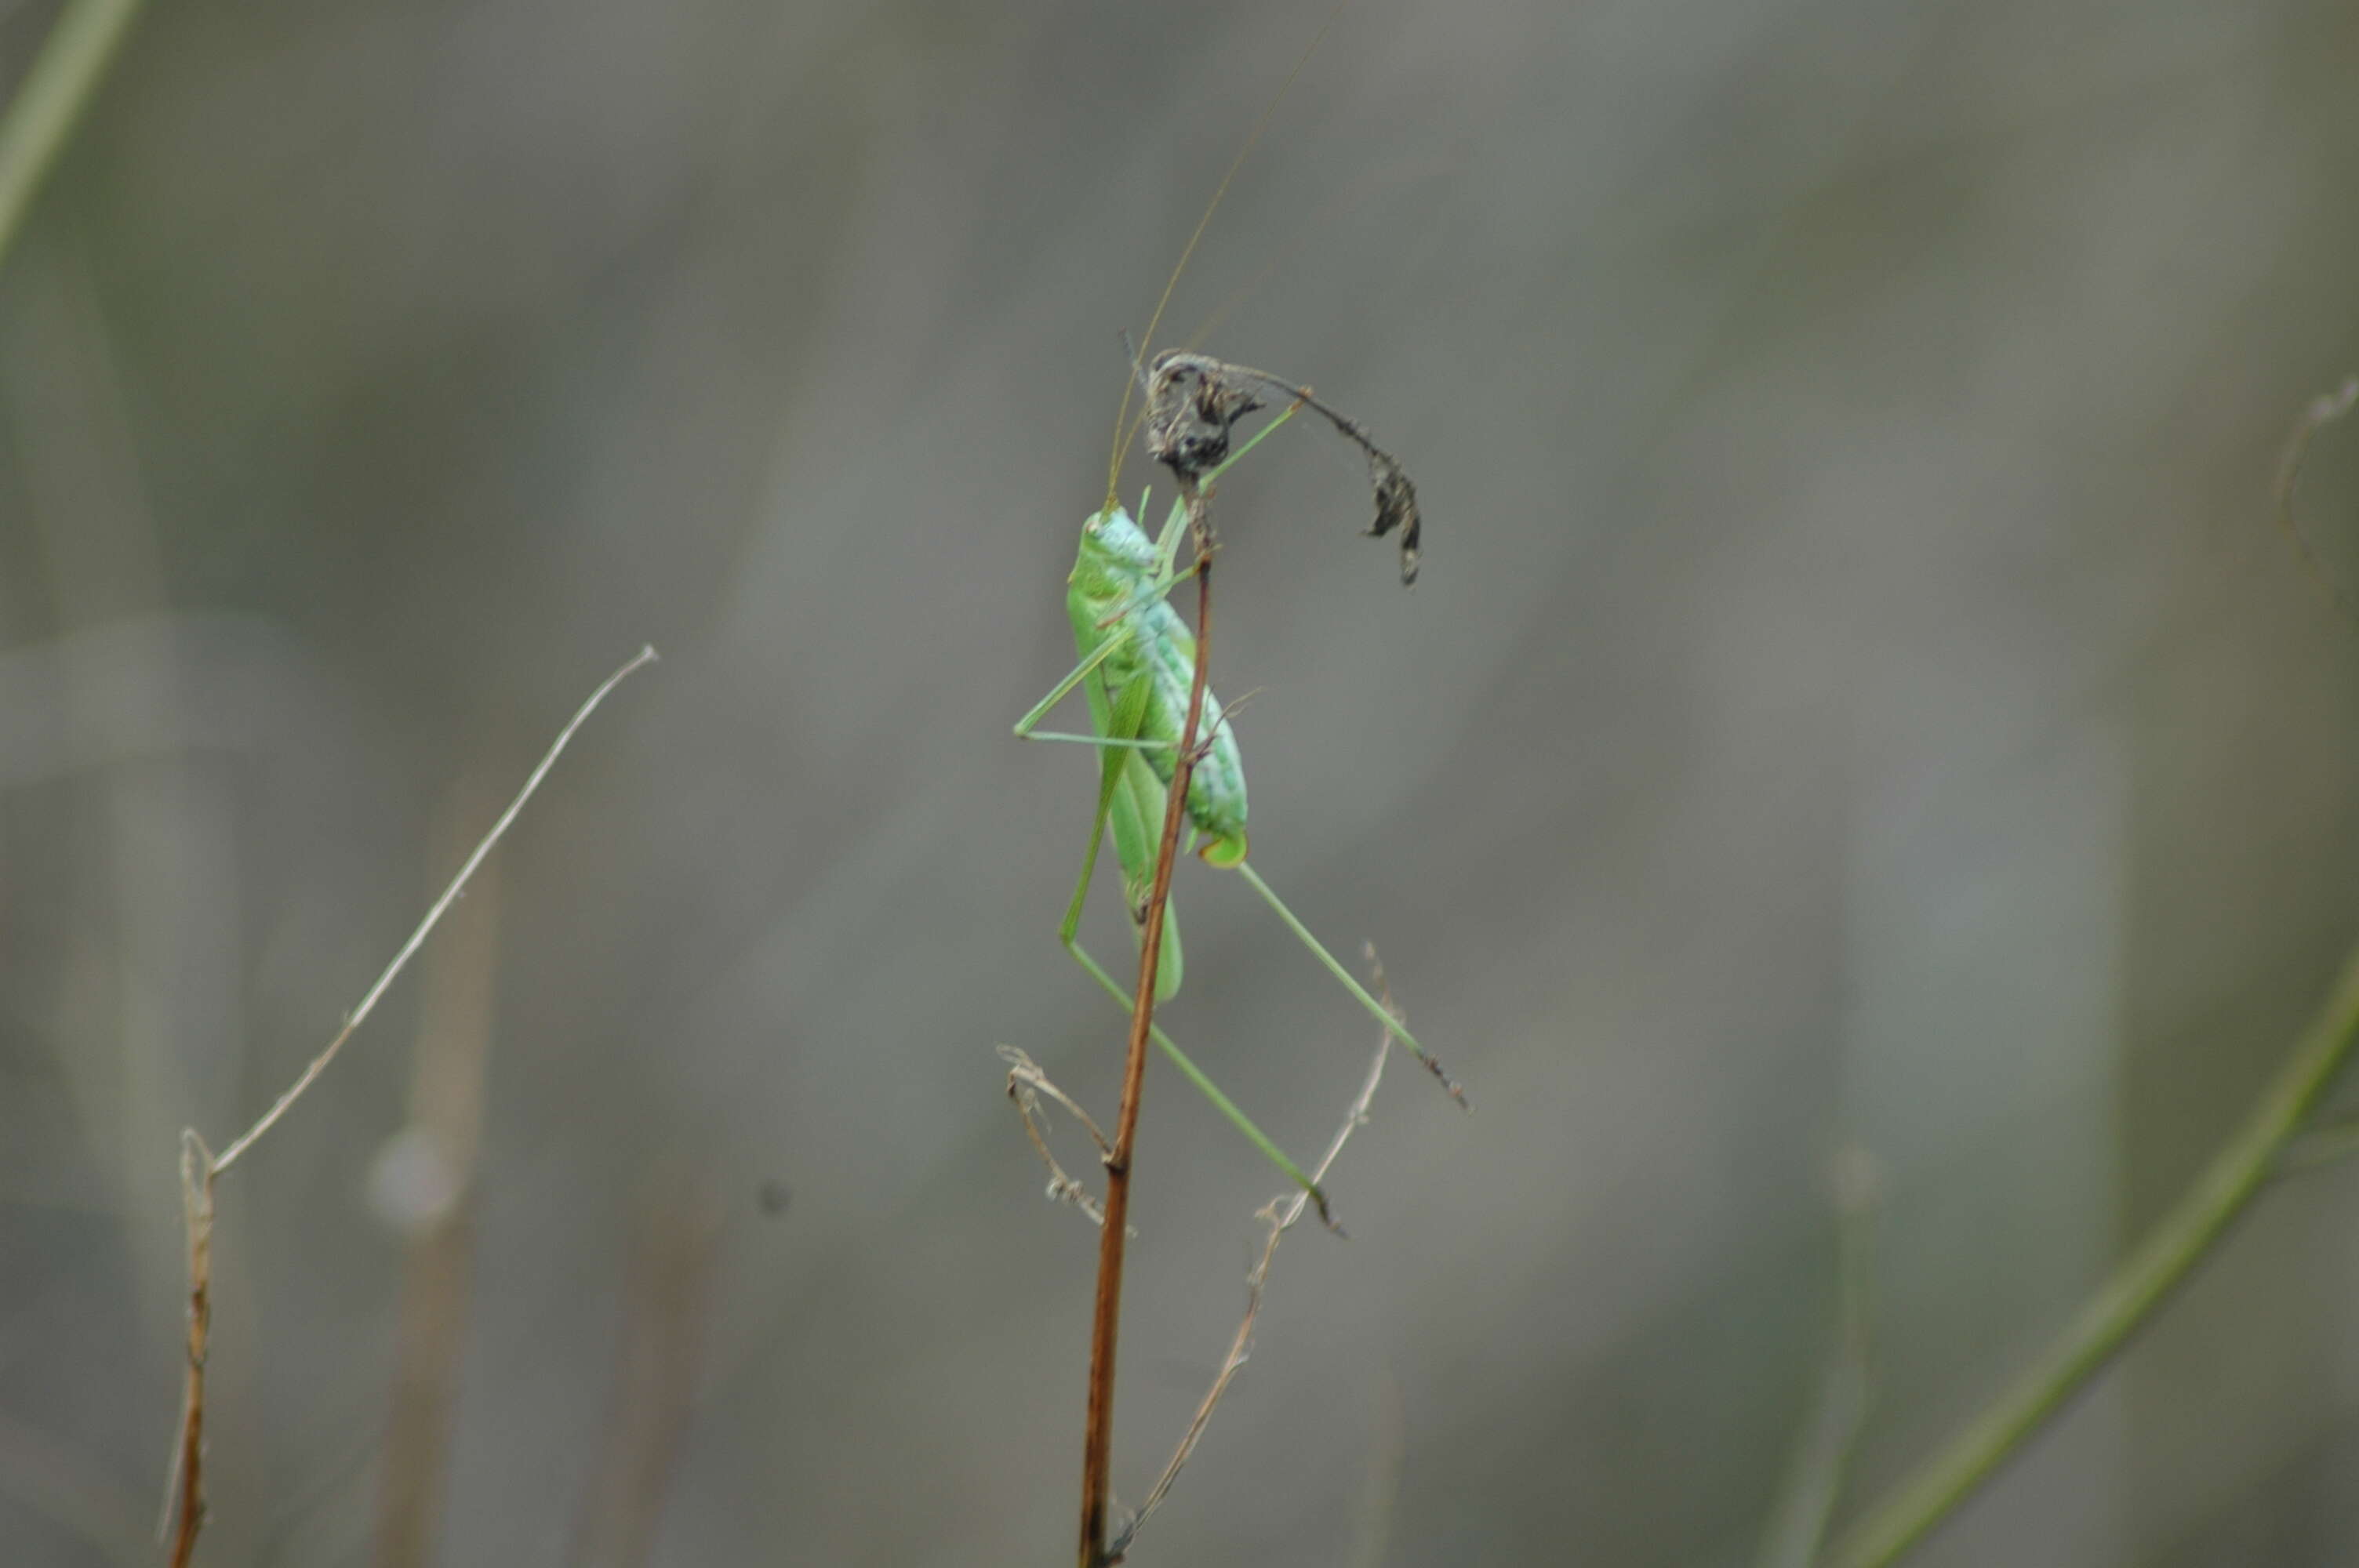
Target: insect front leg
[(1089, 666)]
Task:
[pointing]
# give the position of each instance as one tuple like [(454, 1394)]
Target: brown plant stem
[(197, 1168), (1097, 1433)]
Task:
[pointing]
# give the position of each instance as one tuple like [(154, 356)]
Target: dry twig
[(1025, 1084), (200, 1166), (1194, 401), (1280, 1214), (187, 1479)]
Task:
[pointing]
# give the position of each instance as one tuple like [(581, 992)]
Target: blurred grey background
[(1856, 694)]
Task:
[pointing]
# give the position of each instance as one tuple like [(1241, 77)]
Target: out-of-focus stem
[(2238, 1174), (51, 101)]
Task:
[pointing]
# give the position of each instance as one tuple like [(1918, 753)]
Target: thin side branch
[(1025, 1084), (1022, 1069), (1280, 1214), (1097, 1435), (417, 938), (200, 1166)]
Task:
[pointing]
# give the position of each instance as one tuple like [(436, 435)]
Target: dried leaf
[(1192, 406), (1193, 401)]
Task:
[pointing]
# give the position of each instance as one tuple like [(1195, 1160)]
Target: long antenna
[(1124, 426)]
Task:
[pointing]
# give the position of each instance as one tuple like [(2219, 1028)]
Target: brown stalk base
[(1097, 1439)]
